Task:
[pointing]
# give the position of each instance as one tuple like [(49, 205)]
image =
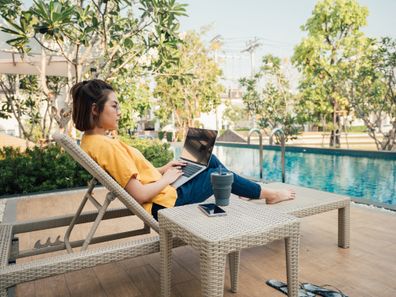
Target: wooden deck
[(367, 269)]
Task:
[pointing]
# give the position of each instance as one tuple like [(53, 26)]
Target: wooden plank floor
[(367, 269)]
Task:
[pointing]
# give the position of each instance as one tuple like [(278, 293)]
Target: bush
[(153, 150), (49, 168), (38, 169)]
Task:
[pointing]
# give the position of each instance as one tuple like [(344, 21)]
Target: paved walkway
[(358, 141)]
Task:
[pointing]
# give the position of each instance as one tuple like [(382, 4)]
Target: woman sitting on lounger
[(96, 111)]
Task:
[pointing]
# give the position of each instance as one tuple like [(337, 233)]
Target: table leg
[(234, 259), (344, 226), (166, 262), (292, 247), (212, 273)]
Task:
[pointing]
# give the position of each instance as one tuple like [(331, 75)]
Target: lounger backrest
[(104, 178)]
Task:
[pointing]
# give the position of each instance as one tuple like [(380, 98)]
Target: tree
[(134, 95), (24, 100), (268, 96), (372, 90), (387, 66), (325, 56), (234, 114), (105, 38), (190, 87)]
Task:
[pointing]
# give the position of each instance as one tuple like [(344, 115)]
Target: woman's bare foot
[(276, 196)]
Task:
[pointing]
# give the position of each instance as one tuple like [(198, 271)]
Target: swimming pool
[(369, 178)]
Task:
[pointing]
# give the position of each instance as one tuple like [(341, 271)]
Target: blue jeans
[(199, 188)]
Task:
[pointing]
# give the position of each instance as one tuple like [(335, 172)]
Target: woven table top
[(306, 200), (242, 219)]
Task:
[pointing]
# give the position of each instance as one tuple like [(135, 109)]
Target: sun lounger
[(310, 202), (12, 274)]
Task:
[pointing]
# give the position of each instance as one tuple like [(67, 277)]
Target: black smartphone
[(212, 210)]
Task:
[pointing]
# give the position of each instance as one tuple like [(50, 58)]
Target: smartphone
[(212, 210)]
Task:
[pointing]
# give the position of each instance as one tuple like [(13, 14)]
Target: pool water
[(358, 177)]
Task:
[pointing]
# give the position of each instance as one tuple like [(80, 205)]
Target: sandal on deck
[(322, 291), (281, 286)]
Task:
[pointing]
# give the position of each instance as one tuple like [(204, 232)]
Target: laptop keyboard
[(190, 169)]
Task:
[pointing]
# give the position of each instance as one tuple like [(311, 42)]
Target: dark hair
[(85, 94)]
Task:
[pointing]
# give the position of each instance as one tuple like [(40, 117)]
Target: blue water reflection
[(358, 177)]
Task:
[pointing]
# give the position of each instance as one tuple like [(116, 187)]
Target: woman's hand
[(172, 174), (145, 193), (172, 164)]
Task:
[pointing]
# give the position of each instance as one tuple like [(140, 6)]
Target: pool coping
[(315, 150), (376, 204)]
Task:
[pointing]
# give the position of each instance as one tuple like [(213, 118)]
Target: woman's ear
[(95, 110)]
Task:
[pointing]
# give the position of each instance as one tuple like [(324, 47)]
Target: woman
[(96, 112)]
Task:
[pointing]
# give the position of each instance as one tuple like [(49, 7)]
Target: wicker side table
[(246, 225)]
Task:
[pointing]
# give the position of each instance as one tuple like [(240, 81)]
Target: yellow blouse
[(123, 162)]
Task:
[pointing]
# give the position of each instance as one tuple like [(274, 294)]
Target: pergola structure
[(12, 62)]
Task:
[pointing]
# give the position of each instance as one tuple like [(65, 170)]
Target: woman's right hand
[(172, 174)]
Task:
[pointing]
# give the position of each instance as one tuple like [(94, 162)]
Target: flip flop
[(281, 286), (322, 291)]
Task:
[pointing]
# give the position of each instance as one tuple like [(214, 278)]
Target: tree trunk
[(389, 141), (335, 132)]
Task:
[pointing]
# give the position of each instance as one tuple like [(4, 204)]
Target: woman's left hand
[(172, 164)]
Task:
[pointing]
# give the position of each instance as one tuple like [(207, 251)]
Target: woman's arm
[(144, 193)]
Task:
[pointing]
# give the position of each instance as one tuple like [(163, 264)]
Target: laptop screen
[(198, 145)]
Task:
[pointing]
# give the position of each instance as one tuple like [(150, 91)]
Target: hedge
[(49, 168)]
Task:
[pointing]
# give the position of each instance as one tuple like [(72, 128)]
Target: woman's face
[(109, 117)]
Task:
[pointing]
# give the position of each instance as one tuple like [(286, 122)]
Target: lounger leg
[(292, 247), (344, 226), (234, 259), (97, 221), (212, 273), (92, 184), (166, 262)]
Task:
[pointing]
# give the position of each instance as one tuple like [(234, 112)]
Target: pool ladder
[(260, 147), (282, 140)]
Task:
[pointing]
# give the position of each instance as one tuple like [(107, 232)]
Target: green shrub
[(38, 169), (50, 168), (153, 150)]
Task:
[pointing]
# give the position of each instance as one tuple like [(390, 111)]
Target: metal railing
[(260, 147), (282, 143)]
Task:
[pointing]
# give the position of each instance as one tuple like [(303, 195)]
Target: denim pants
[(199, 188)]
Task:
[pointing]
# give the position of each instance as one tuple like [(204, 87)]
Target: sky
[(276, 22), (277, 25)]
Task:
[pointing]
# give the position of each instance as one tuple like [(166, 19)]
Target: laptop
[(197, 151)]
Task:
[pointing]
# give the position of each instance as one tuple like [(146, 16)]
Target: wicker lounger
[(311, 202), (308, 202), (12, 274)]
